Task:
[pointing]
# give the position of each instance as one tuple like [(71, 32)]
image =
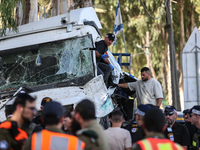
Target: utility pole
[(147, 49), (174, 75)]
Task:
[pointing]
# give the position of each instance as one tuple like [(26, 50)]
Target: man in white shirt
[(119, 139), (148, 90)]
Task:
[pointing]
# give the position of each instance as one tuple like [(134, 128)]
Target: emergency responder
[(11, 136), (101, 48), (53, 137), (29, 127), (148, 90), (91, 132), (181, 133), (195, 120), (191, 128), (153, 126), (37, 119), (134, 127)]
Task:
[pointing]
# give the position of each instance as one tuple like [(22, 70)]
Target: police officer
[(37, 119), (180, 132), (53, 137), (153, 126), (134, 127), (11, 134), (191, 128), (195, 120)]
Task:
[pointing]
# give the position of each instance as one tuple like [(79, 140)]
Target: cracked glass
[(53, 62)]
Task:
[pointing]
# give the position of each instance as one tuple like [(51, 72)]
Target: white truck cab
[(54, 58)]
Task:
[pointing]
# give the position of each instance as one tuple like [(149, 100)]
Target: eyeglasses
[(170, 114), (33, 109)]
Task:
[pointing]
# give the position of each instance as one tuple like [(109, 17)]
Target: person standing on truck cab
[(148, 90), (101, 48)]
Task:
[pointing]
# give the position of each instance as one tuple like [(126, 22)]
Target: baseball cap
[(170, 109), (186, 111), (46, 100), (196, 109), (142, 109), (53, 108), (110, 36)]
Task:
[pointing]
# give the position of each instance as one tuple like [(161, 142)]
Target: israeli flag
[(118, 27)]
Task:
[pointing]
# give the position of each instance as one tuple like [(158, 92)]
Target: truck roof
[(44, 29)]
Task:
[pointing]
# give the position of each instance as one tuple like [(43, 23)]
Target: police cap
[(142, 109)]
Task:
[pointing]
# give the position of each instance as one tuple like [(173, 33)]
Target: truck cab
[(54, 58)]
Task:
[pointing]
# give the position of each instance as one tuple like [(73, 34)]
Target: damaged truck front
[(53, 58)]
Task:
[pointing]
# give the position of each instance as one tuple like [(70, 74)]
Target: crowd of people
[(57, 128)]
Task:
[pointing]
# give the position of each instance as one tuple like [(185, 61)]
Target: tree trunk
[(182, 44), (30, 12)]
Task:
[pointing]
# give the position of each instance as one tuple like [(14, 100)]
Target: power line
[(150, 14)]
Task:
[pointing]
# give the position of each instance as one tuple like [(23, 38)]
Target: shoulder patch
[(133, 130), (4, 145)]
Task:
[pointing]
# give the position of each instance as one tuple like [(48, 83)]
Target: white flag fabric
[(118, 27)]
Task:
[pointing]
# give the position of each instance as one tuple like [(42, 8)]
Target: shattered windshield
[(53, 62)]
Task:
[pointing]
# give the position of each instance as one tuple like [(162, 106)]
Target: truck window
[(60, 61)]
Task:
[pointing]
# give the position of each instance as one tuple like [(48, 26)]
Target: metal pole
[(147, 49), (126, 50), (197, 69)]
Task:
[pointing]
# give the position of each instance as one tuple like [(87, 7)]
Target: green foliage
[(7, 14)]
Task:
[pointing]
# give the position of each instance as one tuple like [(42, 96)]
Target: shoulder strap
[(31, 128)]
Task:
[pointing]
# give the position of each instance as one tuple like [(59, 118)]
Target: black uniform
[(192, 130), (136, 131), (181, 134), (38, 122), (196, 141)]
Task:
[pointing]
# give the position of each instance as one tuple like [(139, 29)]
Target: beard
[(25, 119), (144, 79), (75, 126), (169, 121)]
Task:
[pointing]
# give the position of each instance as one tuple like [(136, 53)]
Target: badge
[(3, 144), (133, 130)]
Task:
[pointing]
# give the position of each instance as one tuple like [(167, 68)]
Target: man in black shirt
[(181, 134), (134, 127), (37, 120), (195, 120), (191, 128), (101, 48)]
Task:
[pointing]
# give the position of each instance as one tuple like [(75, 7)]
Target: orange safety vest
[(46, 140), (158, 144), (21, 137)]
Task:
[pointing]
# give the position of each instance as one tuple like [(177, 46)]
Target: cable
[(150, 14)]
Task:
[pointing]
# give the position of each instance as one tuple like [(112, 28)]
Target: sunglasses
[(192, 115), (170, 114)]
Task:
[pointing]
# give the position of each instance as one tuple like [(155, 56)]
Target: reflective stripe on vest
[(158, 144), (53, 140), (20, 137)]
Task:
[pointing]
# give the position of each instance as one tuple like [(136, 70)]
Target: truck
[(55, 58)]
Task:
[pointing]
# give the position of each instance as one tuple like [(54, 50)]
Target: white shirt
[(147, 91), (119, 138)]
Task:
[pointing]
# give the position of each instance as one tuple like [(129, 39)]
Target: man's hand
[(111, 66), (113, 85), (104, 56)]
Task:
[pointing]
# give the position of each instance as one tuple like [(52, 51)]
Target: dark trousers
[(104, 69)]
